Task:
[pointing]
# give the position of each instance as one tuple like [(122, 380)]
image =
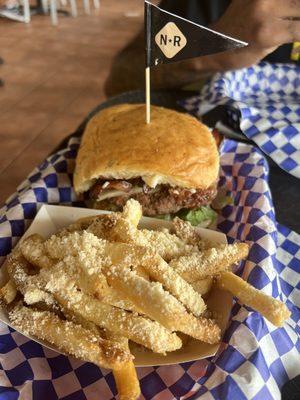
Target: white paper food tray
[(50, 219)]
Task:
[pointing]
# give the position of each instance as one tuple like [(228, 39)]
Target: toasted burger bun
[(174, 149)]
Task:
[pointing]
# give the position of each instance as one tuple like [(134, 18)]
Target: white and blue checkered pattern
[(255, 358), (264, 102)]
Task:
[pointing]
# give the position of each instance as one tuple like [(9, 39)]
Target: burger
[(170, 166)]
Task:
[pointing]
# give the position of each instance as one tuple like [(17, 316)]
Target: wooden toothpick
[(148, 99)]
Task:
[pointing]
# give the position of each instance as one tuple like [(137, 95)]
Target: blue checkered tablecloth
[(264, 102), (254, 360)]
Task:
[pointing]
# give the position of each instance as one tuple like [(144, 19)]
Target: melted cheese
[(115, 193)]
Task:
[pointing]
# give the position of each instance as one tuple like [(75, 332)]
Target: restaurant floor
[(53, 77)]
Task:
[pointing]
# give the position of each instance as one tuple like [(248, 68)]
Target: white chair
[(87, 8), (73, 5), (53, 12), (26, 10), (10, 12), (53, 8), (96, 3)]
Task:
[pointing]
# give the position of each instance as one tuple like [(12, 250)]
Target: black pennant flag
[(171, 38)]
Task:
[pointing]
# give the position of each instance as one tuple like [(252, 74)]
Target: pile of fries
[(102, 282)]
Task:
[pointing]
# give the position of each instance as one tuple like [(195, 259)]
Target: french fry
[(114, 253), (202, 286), (77, 319), (132, 212), (79, 225), (135, 327), (127, 382), (31, 286), (156, 267), (159, 270), (91, 254), (139, 270), (69, 337), (272, 309), (123, 228), (119, 226), (18, 270), (117, 229), (33, 295), (126, 378), (90, 283), (85, 222), (113, 298), (167, 245), (33, 250), (187, 232), (8, 292), (102, 281), (209, 262), (101, 225), (159, 305)]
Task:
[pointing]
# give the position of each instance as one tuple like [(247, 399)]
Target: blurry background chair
[(53, 6), (86, 5), (20, 10), (16, 10)]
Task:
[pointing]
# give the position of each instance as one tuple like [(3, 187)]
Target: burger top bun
[(174, 149)]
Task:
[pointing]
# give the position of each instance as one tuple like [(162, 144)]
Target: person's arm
[(264, 24)]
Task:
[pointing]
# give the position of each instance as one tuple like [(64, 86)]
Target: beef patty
[(164, 199)]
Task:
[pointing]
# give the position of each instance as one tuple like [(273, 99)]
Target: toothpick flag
[(171, 38)]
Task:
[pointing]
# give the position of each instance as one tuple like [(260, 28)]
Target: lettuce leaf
[(203, 216)]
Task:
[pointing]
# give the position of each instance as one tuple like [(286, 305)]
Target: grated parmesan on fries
[(102, 282)]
